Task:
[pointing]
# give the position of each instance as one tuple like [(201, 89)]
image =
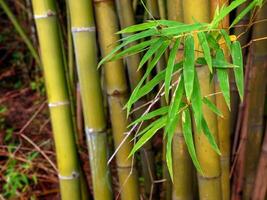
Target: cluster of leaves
[(16, 176), (202, 46)]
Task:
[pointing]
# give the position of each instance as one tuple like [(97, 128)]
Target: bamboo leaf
[(212, 106), (150, 115), (146, 136), (175, 104), (169, 145), (189, 65), (212, 42), (150, 67), (133, 49), (188, 137), (206, 49), (170, 67), (224, 12), (138, 27), (223, 78), (197, 103), (184, 28), (154, 82), (153, 48), (236, 52), (244, 12), (226, 38), (210, 136)]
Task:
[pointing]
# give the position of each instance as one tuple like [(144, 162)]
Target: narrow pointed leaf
[(138, 27), (176, 30), (146, 136), (150, 115), (150, 67), (210, 136), (169, 69), (238, 60), (189, 65), (175, 104), (206, 49), (226, 38), (223, 78), (197, 103), (212, 106), (244, 12), (188, 137), (153, 48), (133, 49)]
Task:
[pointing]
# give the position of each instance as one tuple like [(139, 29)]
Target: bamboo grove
[(172, 96)]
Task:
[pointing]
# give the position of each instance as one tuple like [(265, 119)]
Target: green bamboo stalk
[(84, 38), (255, 126), (126, 17), (20, 31), (116, 88), (210, 182), (57, 92)]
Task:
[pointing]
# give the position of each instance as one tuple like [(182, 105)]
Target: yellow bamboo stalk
[(224, 132), (57, 92), (116, 88), (183, 175), (210, 182), (84, 38), (257, 88)]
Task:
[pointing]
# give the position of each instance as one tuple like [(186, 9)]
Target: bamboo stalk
[(57, 92), (257, 88), (84, 38), (210, 182), (182, 166), (116, 88), (224, 133), (260, 187)]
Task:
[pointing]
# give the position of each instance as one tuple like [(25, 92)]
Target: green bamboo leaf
[(244, 12), (162, 119), (138, 27), (206, 49), (170, 67), (189, 65), (150, 67), (210, 136), (226, 38), (223, 78), (133, 49), (213, 43), (236, 52), (212, 106), (224, 12), (146, 136), (153, 48), (188, 137), (197, 103), (126, 41), (175, 104), (184, 28), (150, 115), (169, 145), (154, 82)]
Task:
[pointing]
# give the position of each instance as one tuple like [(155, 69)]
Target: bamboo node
[(91, 131), (74, 175), (83, 29), (49, 13), (59, 103)]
